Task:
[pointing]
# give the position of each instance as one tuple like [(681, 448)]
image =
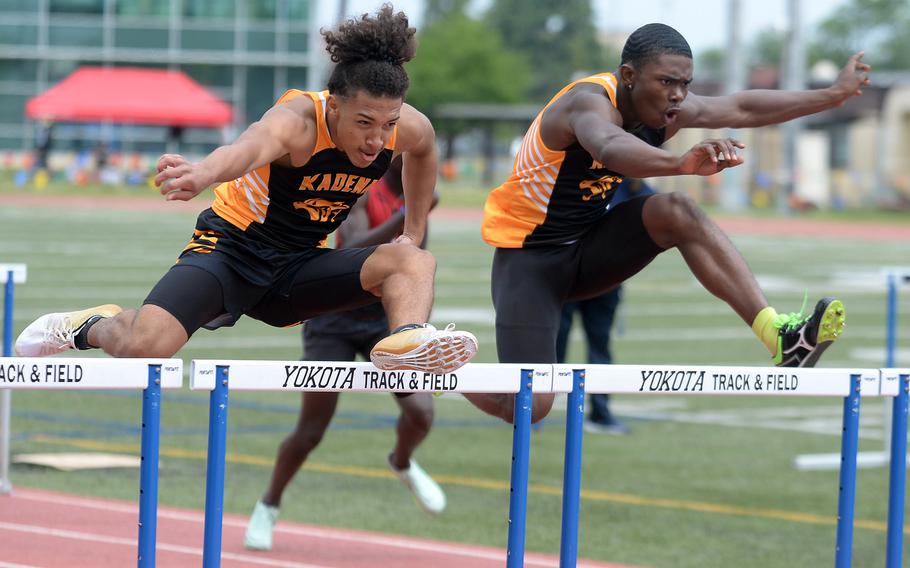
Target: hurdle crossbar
[(712, 380), (330, 376), (150, 375)]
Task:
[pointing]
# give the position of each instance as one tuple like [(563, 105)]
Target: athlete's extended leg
[(413, 426), (149, 331), (184, 299), (674, 220), (316, 412)]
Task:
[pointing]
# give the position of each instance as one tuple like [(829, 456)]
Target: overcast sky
[(702, 22)]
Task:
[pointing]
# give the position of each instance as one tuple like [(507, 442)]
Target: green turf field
[(700, 482)]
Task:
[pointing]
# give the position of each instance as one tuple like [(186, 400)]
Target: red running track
[(46, 529)]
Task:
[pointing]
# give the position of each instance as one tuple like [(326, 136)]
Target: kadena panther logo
[(598, 187), (321, 210)]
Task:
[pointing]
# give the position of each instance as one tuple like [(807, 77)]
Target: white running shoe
[(425, 348), (427, 493), (259, 530), (54, 333)]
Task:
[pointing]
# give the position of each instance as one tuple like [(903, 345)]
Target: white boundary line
[(354, 535), (130, 542)]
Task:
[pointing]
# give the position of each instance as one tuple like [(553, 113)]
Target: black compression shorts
[(223, 274), (530, 285)]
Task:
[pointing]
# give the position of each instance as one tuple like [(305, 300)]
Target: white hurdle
[(849, 384), (314, 376), (895, 278), (150, 375)]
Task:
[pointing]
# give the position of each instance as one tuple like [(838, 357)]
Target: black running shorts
[(223, 274), (530, 285)]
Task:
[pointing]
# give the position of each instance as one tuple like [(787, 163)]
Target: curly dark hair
[(370, 52), (651, 40)]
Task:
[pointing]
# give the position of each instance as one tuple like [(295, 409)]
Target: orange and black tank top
[(297, 207), (553, 196)]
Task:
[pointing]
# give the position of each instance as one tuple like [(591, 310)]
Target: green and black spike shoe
[(801, 340)]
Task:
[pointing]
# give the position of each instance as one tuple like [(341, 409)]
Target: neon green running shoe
[(801, 339)]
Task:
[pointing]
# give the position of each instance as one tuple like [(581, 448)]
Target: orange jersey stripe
[(516, 209), (245, 199)]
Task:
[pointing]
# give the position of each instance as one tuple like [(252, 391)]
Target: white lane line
[(112, 540), (334, 534)]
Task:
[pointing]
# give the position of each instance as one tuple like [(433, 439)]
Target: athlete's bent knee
[(421, 420), (684, 210), (417, 260), (304, 441), (671, 218), (541, 406)]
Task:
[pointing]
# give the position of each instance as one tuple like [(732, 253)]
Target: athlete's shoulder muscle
[(415, 132), (295, 123), (585, 105)]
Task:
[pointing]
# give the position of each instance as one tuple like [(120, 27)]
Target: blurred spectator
[(43, 143)]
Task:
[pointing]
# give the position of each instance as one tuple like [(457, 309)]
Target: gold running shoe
[(422, 347), (55, 333)]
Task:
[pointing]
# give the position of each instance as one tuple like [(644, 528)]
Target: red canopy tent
[(130, 95)]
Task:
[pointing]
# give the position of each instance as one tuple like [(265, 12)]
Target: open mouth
[(671, 115), (367, 157)]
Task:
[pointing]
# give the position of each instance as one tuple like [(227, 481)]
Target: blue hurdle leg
[(8, 316), (214, 471), (847, 498), (571, 473), (898, 479), (6, 395), (521, 449), (148, 472)]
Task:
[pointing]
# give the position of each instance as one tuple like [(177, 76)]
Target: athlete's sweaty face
[(659, 88), (361, 124)]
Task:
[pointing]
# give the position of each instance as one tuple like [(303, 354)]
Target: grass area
[(700, 482), (462, 193)]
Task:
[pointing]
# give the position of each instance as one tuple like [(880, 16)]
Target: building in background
[(247, 52)]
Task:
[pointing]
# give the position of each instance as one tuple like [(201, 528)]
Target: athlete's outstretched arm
[(588, 118), (273, 136), (763, 107), (419, 163)]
